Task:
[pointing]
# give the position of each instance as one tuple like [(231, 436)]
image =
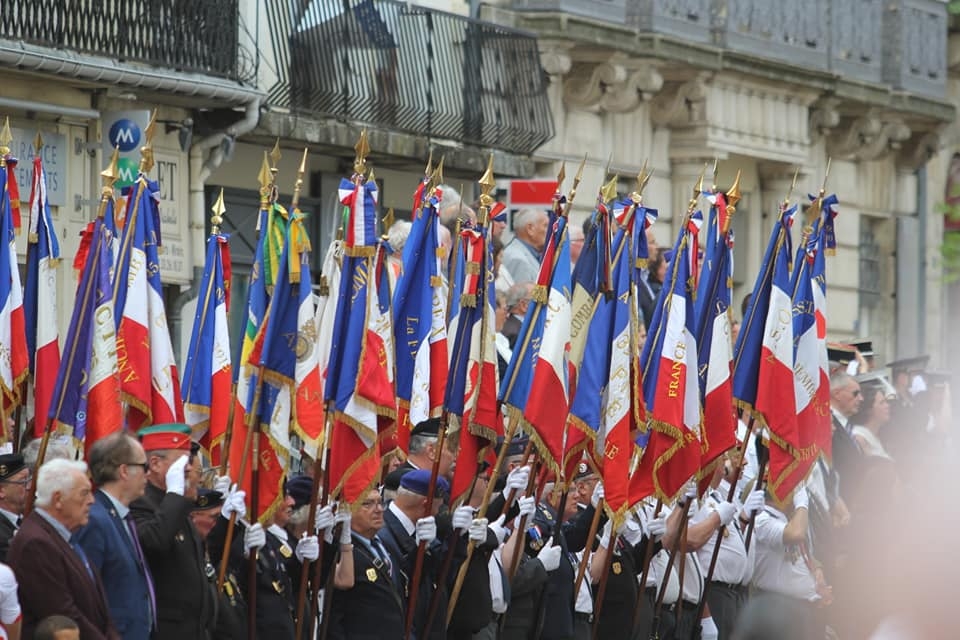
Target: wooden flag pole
[(602, 589), (594, 525), (644, 571)]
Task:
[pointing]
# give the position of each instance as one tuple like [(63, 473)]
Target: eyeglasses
[(371, 505), (143, 465), (22, 483)]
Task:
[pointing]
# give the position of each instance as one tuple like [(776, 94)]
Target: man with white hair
[(522, 256), (54, 574)]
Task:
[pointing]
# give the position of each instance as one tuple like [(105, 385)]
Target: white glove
[(235, 502), (478, 530), (324, 519), (308, 549), (753, 503), (462, 518), (708, 629), (549, 555), (605, 535), (498, 529), (343, 518), (597, 495), (800, 498), (656, 527), (426, 530), (176, 476), (632, 531), (527, 506), (690, 493), (253, 538), (222, 484), (517, 479), (727, 512)]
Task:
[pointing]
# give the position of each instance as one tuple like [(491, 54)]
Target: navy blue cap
[(299, 488), (207, 499), (429, 427), (516, 447), (418, 481), (10, 464)]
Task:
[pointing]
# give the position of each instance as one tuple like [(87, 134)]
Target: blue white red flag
[(86, 398), (40, 298), (15, 367), (207, 374), (360, 381), (148, 371), (419, 307), (670, 383), (473, 379), (714, 342)]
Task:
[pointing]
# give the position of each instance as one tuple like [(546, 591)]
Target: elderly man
[(424, 438), (174, 552), (518, 299), (372, 606), (118, 466), (521, 257), (54, 574), (14, 478)]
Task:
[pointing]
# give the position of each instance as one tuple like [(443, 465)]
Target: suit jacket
[(373, 608), (7, 531), (54, 581), (403, 547), (185, 599), (511, 329), (109, 548)]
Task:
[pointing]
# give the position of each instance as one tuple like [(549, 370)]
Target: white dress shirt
[(780, 568)]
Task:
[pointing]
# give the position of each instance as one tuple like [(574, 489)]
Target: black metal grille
[(198, 36), (412, 69)]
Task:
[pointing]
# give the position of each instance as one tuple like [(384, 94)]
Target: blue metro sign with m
[(125, 134), (124, 131)]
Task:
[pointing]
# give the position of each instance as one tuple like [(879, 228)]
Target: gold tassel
[(468, 300), (539, 294)]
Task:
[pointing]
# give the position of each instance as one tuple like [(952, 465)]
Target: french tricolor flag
[(207, 374), (40, 298), (15, 366), (670, 385)]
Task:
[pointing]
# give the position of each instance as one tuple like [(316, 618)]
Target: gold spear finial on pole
[(265, 178), (733, 197), (642, 179), (218, 210), (609, 190), (363, 149), (697, 190), (146, 151), (109, 175), (561, 175), (38, 142), (487, 184), (793, 185), (6, 139), (429, 169), (716, 167), (298, 185)]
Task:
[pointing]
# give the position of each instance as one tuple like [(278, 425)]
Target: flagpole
[(267, 179), (594, 525), (487, 185), (682, 534), (6, 138)]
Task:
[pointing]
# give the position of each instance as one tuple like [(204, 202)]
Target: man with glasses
[(173, 549), (372, 607), (118, 466), (14, 479)]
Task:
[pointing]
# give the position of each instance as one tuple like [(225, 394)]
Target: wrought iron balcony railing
[(902, 43), (199, 36), (411, 69)]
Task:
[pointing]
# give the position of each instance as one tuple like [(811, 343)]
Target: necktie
[(378, 547), (138, 550), (83, 558), (19, 521)]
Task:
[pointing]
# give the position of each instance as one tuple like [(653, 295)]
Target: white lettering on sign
[(54, 156)]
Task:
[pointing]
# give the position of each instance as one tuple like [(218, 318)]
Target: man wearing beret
[(174, 551), (406, 524), (118, 467), (14, 478)]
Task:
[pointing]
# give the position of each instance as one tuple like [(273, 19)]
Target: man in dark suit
[(174, 552), (372, 607), (54, 574), (118, 467), (14, 478), (518, 299), (424, 438)]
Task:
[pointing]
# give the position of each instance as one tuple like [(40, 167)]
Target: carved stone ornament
[(824, 117), (918, 151), (869, 137), (610, 86), (555, 58), (683, 104)]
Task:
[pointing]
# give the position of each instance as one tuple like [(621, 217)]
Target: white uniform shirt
[(584, 600), (9, 605), (658, 563), (734, 563), (496, 581), (780, 568)]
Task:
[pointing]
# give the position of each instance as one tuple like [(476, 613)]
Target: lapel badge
[(180, 537), (617, 568), (372, 574), (285, 551)]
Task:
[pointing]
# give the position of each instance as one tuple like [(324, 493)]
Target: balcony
[(897, 43), (411, 69), (196, 36)]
